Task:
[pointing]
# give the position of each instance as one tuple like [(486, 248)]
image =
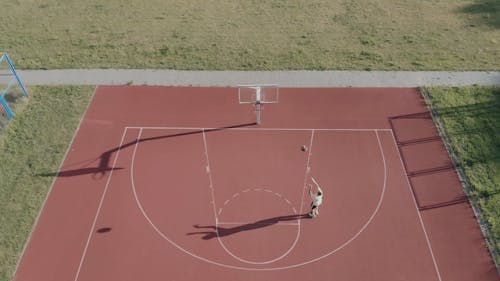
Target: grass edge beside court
[(246, 35), (33, 145), (471, 190)]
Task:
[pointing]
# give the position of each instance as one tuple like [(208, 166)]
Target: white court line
[(269, 268), (35, 224), (288, 202), (416, 208), (159, 232), (211, 186), (258, 129), (257, 190), (225, 203), (308, 170), (99, 207)]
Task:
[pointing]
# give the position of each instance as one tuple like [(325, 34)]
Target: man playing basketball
[(317, 199)]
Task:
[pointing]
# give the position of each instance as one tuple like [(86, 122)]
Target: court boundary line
[(35, 224), (379, 204), (84, 254), (429, 246)]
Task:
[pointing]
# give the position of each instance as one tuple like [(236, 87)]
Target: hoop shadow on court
[(218, 231), (105, 158)]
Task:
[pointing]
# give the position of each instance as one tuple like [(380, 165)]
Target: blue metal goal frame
[(5, 57)]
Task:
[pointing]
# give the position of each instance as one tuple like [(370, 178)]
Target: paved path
[(282, 78)]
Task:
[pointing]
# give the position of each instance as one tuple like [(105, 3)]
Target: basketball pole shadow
[(217, 231), (105, 158)]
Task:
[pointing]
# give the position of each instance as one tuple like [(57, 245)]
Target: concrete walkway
[(282, 78)]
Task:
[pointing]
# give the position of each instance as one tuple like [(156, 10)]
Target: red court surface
[(179, 183)]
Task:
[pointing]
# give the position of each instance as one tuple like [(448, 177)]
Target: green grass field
[(16, 100), (253, 35), (240, 35), (471, 120), (32, 144)]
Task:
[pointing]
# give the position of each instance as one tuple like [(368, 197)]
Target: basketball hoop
[(258, 95)]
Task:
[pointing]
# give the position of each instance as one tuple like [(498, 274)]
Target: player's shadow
[(218, 231), (105, 158)]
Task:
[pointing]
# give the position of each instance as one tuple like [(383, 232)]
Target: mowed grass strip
[(471, 120), (32, 144), (253, 35)]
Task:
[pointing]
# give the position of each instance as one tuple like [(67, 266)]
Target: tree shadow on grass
[(484, 12)]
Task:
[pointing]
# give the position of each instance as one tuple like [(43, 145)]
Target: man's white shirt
[(317, 199)]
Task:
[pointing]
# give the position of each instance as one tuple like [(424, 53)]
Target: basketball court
[(193, 183)]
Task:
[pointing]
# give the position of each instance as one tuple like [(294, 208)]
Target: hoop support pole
[(258, 110)]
